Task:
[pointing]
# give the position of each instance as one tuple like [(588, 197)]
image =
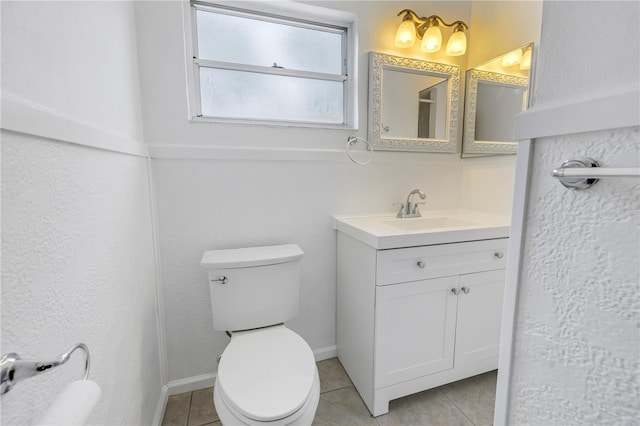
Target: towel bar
[(583, 172)]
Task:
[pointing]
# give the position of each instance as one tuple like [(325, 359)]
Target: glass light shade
[(512, 58), (406, 34), (431, 40), (525, 63), (457, 44)]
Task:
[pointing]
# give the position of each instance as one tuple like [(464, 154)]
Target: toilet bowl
[(267, 376), (267, 373)]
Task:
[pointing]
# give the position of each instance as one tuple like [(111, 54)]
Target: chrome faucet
[(410, 209)]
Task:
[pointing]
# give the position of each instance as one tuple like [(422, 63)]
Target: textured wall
[(589, 47), (78, 266), (57, 55), (577, 348), (77, 243)]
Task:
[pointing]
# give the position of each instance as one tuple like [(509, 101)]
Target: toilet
[(267, 374)]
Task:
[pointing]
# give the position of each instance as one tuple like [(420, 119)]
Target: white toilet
[(267, 374)]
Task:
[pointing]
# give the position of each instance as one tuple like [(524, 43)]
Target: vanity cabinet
[(410, 319)]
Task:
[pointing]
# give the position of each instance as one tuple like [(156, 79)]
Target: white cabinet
[(479, 316), (414, 318), (415, 329)]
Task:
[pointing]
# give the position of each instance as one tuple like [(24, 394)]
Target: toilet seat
[(303, 417), (267, 374)]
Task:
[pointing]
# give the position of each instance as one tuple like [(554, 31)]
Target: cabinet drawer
[(419, 263)]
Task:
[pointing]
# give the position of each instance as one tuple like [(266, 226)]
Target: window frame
[(290, 13)]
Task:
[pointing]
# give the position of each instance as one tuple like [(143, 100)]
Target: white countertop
[(387, 231)]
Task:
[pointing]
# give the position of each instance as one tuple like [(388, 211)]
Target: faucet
[(410, 209)]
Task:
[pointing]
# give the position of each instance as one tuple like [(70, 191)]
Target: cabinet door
[(479, 316), (414, 329)]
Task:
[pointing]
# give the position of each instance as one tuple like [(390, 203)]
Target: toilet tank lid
[(250, 256)]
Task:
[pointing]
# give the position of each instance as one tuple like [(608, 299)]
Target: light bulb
[(406, 34), (525, 63), (457, 43), (512, 58), (431, 40)]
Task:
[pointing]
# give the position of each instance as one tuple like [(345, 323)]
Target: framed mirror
[(413, 104), (495, 93)]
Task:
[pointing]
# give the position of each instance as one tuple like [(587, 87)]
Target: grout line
[(189, 410), (456, 405), (335, 389)]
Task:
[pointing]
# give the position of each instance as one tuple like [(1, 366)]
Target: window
[(257, 66)]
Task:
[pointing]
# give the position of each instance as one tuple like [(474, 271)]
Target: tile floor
[(468, 402)]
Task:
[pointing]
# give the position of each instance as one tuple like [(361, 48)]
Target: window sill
[(275, 124)]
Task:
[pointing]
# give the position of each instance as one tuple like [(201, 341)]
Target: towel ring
[(352, 140)]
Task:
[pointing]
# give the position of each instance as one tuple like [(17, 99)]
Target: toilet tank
[(253, 287)]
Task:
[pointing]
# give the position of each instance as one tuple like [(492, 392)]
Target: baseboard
[(327, 352), (162, 404), (190, 384)]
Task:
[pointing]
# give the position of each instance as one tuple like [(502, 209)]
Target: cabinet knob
[(420, 264), (455, 291), (498, 255), (465, 290)]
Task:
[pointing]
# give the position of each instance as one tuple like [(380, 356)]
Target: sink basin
[(387, 232), (428, 223)]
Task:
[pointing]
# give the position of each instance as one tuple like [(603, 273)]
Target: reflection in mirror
[(413, 104), (496, 92), (497, 104), (419, 105)]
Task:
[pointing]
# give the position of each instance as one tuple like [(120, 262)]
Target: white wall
[(262, 198), (579, 62), (577, 346), (283, 185), (77, 238), (60, 59), (498, 27), (209, 204)]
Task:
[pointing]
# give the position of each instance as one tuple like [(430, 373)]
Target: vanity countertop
[(443, 227)]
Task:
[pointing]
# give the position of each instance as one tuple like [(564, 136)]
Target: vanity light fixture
[(428, 30), (525, 63)]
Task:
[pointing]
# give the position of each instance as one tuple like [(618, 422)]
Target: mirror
[(495, 93), (413, 104)]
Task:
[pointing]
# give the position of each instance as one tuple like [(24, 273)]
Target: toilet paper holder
[(14, 369)]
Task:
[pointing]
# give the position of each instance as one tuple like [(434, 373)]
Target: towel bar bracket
[(584, 172), (581, 182)]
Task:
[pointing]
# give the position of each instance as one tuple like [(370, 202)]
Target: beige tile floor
[(468, 402)]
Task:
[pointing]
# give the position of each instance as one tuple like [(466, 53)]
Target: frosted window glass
[(241, 40), (239, 94)]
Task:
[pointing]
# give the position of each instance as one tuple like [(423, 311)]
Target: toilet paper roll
[(73, 405)]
